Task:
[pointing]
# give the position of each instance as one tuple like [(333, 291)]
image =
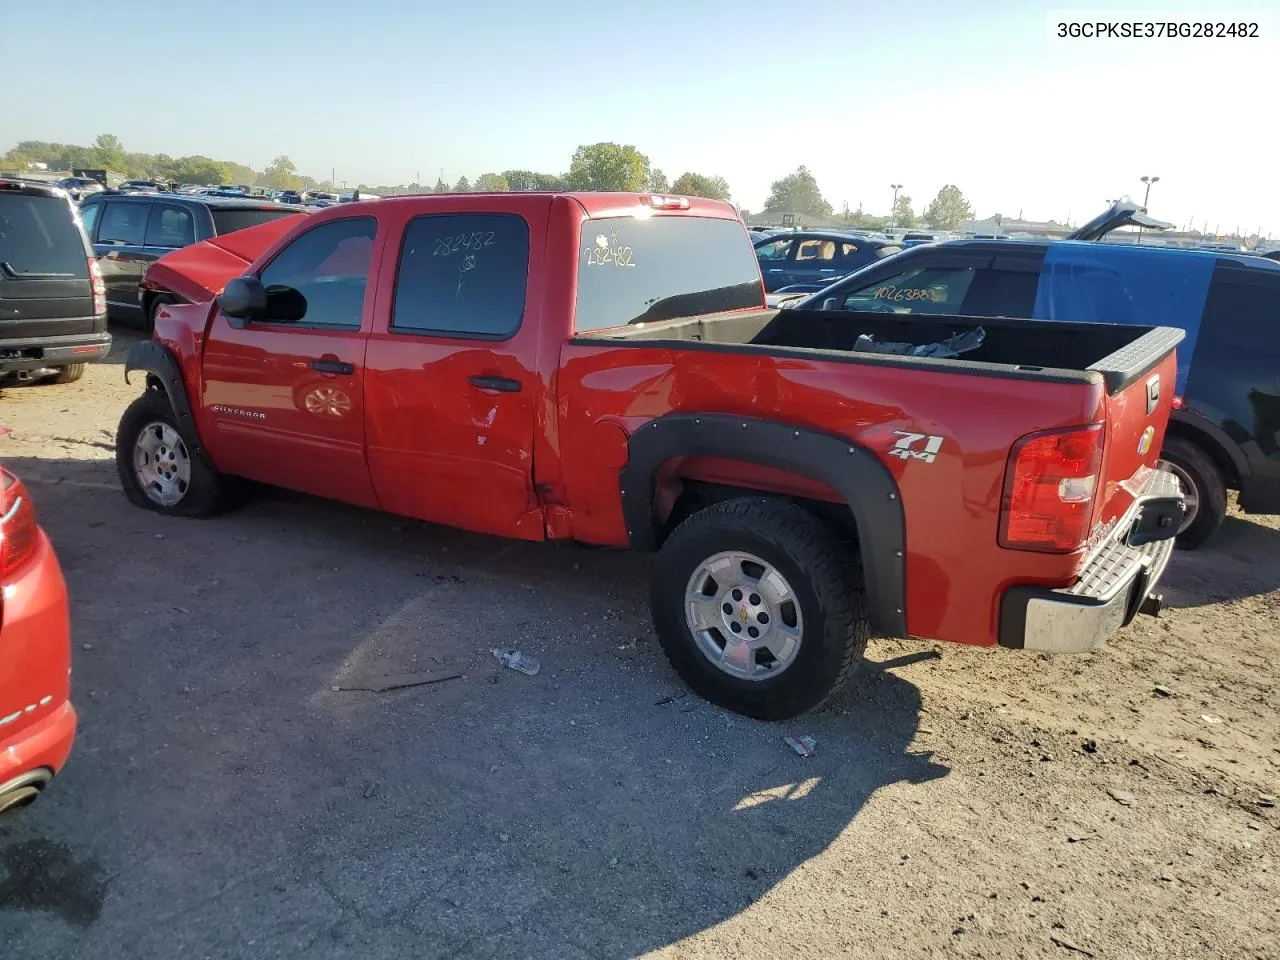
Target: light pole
[(893, 211), (1145, 197)]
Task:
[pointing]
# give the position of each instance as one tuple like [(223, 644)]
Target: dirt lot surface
[(223, 800)]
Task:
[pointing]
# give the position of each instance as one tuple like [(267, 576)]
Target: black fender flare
[(1206, 433), (862, 480), (162, 367)]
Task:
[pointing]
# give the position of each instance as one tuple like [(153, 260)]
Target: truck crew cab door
[(453, 388), (283, 400)]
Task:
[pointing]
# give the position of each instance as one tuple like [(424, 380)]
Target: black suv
[(129, 232), (53, 310), (1225, 429)]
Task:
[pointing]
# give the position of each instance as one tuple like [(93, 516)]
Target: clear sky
[(918, 92)]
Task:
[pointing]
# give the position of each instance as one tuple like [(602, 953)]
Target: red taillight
[(666, 203), (1049, 489), (18, 531), (99, 288)]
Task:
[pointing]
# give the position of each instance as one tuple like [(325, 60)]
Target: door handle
[(332, 366), (505, 384)]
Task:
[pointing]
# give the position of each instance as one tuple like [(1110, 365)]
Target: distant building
[(1010, 226)]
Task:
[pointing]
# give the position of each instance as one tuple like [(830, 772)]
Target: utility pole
[(893, 212), (1145, 197)]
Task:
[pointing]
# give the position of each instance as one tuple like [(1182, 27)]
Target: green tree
[(462, 186), (903, 215), (525, 180), (239, 173), (109, 152), (492, 183), (281, 175), (608, 166), (698, 185), (798, 193), (441, 186), (948, 210), (197, 169), (658, 182)]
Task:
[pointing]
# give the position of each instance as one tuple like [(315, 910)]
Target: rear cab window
[(40, 238), (235, 218), (642, 270), (462, 275)]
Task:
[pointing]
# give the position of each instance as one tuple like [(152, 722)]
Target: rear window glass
[(633, 270), (39, 235), (229, 221)]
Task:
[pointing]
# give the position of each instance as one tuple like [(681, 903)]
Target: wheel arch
[(863, 483), (164, 372), (1216, 444)]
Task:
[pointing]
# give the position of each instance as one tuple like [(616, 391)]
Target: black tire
[(1209, 489), (206, 494), (823, 574), (68, 374)]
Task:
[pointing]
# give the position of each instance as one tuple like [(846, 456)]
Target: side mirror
[(829, 303), (243, 298)]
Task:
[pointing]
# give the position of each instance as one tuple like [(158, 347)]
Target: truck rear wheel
[(1203, 488), (156, 469), (759, 607), (68, 374)]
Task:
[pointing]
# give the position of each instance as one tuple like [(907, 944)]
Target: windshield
[(633, 270), (38, 235), (229, 221)]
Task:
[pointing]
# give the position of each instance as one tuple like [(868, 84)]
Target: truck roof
[(596, 204)]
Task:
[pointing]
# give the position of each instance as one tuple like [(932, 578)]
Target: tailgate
[(1138, 403)]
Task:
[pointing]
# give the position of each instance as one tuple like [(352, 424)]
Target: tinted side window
[(170, 226), (923, 290), (124, 222), (89, 214), (816, 249), (329, 266), (775, 249), (462, 275)]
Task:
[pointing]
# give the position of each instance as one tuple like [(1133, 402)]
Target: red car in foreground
[(37, 721), (603, 368)]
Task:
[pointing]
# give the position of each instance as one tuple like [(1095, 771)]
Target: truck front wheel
[(1203, 489), (759, 607), (156, 469)]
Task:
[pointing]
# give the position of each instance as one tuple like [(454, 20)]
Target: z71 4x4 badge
[(906, 449)]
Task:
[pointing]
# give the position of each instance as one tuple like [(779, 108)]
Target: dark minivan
[(129, 232), (53, 311)]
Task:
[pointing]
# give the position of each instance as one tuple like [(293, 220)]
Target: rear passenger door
[(121, 249), (453, 388), (776, 258)]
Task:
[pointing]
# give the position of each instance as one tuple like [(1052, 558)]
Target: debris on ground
[(1266, 800), (1122, 797), (1068, 945), (392, 683), (518, 661), (1160, 691), (805, 746), (1210, 718), (1090, 746)]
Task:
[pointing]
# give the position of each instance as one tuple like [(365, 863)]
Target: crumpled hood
[(199, 272)]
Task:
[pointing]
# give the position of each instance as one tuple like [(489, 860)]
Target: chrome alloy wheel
[(161, 464), (744, 615)]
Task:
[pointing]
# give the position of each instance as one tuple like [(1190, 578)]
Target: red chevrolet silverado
[(603, 368)]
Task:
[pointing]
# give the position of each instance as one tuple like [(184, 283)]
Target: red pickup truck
[(602, 368)]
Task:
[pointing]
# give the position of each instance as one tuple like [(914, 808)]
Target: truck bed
[(1055, 351)]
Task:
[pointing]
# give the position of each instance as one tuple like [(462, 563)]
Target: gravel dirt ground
[(223, 800)]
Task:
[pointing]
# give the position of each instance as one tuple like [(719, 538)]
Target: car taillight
[(18, 531), (99, 288), (1049, 489)]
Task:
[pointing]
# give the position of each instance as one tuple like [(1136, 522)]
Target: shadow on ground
[(1242, 560), (240, 806)]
